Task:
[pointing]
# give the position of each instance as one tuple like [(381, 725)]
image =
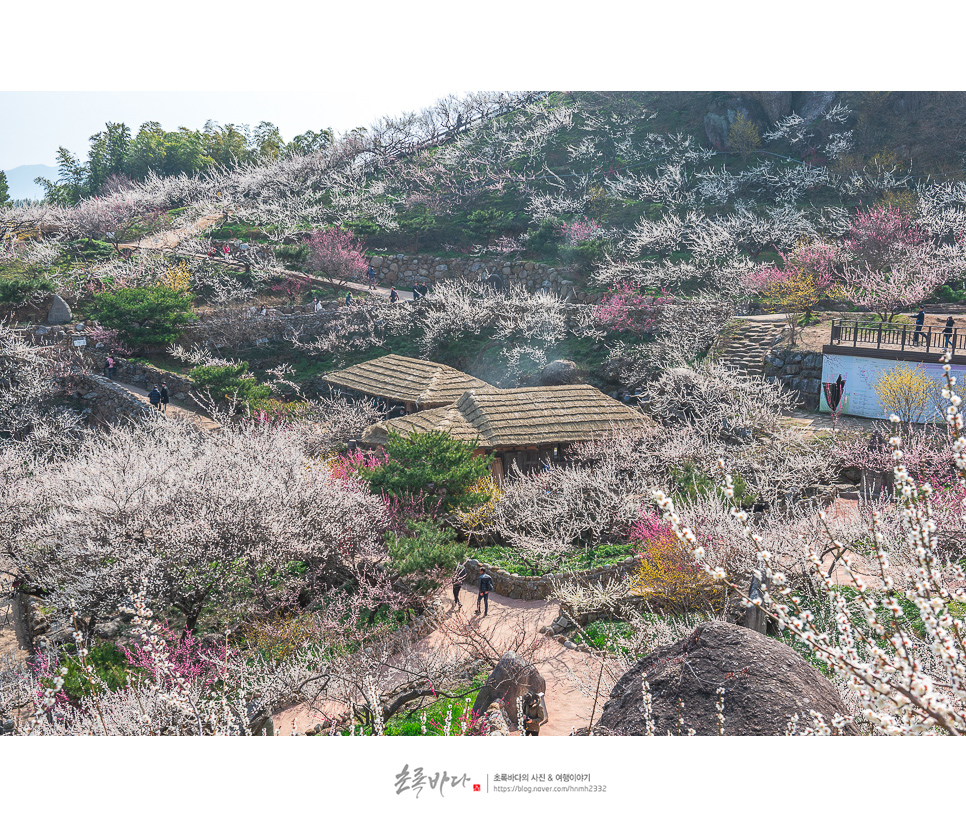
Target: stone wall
[(403, 270), (145, 376), (797, 370), (110, 404), (512, 586)]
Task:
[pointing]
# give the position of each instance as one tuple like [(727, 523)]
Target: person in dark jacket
[(533, 714), (165, 398), (459, 577), (486, 585), (948, 332), (393, 295), (155, 398), (920, 321)]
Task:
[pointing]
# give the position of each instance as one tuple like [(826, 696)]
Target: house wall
[(860, 374)]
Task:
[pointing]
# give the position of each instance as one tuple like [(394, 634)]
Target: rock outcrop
[(559, 372), (766, 683), (59, 311)]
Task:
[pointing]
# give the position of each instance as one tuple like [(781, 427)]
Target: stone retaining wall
[(145, 376), (110, 404), (512, 586), (797, 370)]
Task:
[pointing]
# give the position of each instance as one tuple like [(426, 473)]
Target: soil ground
[(571, 676)]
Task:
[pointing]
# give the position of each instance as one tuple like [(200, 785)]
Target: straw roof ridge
[(525, 416), (403, 378)]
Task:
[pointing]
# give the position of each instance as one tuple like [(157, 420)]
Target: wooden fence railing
[(898, 338)]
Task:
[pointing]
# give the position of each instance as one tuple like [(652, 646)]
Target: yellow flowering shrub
[(669, 578), (480, 515), (177, 278)]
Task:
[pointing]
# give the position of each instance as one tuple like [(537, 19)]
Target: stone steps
[(746, 347)]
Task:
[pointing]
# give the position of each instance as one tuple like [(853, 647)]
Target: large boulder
[(765, 682), (59, 311), (510, 679), (559, 372), (811, 105), (776, 103)]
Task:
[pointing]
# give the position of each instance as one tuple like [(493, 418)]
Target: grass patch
[(510, 560)]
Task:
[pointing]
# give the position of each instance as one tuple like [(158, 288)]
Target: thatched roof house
[(525, 425), (416, 383)]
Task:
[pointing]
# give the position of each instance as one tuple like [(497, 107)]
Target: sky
[(345, 66), (35, 124)]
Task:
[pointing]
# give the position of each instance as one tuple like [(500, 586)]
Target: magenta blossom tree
[(337, 254), (887, 263)]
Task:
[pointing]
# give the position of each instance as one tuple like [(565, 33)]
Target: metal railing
[(898, 338)]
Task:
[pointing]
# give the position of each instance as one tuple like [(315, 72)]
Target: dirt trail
[(571, 676), (174, 410)]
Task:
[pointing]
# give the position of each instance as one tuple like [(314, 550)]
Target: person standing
[(165, 398), (227, 251), (393, 295), (318, 305), (533, 713), (372, 277), (920, 320), (459, 577), (348, 299), (109, 367), (948, 332), (486, 585), (155, 398)]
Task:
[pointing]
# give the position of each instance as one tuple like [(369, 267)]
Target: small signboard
[(81, 342)]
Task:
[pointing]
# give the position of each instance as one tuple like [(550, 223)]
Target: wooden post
[(902, 346)]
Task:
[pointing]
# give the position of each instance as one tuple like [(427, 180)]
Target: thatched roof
[(516, 417), (408, 380)]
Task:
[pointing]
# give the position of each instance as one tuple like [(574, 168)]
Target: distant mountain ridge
[(20, 181)]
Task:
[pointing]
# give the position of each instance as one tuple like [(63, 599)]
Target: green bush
[(227, 382), (421, 555), (691, 483), (18, 291), (433, 464), (150, 317)]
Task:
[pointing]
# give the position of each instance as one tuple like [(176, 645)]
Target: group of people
[(534, 715), (158, 397), (486, 585), (947, 330)]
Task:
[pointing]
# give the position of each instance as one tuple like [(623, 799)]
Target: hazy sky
[(343, 65), (35, 124)]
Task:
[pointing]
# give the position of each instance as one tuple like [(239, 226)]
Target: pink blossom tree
[(337, 254), (887, 263)]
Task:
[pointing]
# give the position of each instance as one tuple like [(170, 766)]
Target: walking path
[(175, 410), (571, 676)]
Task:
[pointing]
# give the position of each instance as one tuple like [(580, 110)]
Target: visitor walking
[(165, 399), (533, 713), (920, 320), (486, 585), (459, 577), (155, 398), (227, 251), (393, 295), (109, 367), (948, 332), (348, 299), (372, 277)]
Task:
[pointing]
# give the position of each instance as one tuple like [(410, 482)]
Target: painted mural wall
[(859, 373)]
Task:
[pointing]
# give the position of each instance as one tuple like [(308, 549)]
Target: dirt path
[(169, 239), (175, 411), (571, 676)]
